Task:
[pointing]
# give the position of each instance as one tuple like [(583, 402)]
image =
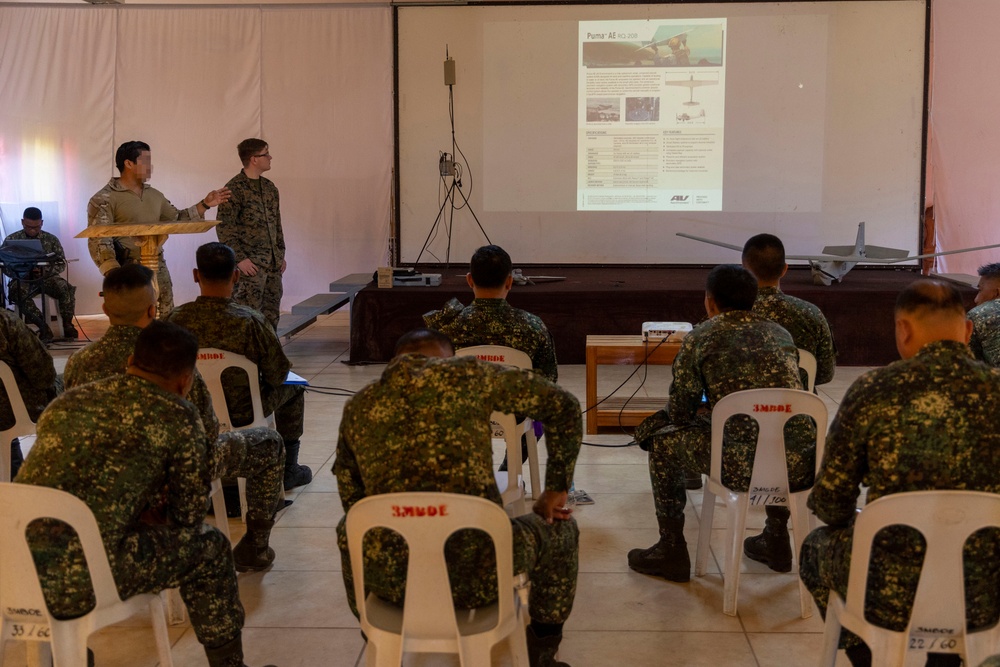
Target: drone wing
[(710, 241)]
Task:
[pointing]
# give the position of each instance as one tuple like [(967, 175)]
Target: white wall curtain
[(314, 82)]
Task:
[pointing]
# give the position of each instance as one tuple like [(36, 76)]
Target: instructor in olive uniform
[(250, 224)]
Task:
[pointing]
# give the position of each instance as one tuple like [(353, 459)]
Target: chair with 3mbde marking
[(23, 613), (511, 482), (768, 483)]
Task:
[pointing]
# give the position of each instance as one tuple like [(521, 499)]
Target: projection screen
[(594, 133)]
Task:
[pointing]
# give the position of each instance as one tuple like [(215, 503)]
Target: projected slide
[(651, 103)]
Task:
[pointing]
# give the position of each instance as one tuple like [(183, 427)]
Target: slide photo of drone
[(670, 44)]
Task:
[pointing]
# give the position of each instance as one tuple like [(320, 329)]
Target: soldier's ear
[(197, 278), (236, 276), (468, 280), (968, 331)]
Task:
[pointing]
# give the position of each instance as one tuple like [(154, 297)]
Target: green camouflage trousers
[(674, 450), (21, 292), (258, 455), (893, 572), (261, 291), (152, 558), (548, 554), (165, 295)]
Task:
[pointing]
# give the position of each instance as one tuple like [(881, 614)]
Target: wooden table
[(618, 350)]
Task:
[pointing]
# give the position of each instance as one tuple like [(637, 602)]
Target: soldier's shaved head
[(490, 266), (216, 262), (166, 350), (428, 342), (928, 311), (731, 287), (128, 294)]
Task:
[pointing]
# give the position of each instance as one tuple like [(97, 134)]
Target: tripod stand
[(453, 169)]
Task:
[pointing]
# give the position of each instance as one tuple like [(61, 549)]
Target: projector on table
[(663, 331)]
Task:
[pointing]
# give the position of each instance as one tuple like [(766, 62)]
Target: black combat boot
[(229, 654), (70, 332), (772, 547), (296, 474), (542, 650), (668, 558), (252, 554)]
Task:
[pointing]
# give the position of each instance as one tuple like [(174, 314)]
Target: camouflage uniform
[(32, 366), (733, 351), (256, 454), (135, 454), (928, 422), (805, 322), (250, 224), (985, 341), (496, 322), (114, 204), (53, 285), (424, 426), (224, 324)]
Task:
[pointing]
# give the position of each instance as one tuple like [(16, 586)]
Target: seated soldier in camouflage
[(985, 341), (379, 451), (925, 422), (220, 322), (34, 373), (52, 284), (734, 350), (255, 454), (490, 320), (133, 449), (764, 257)]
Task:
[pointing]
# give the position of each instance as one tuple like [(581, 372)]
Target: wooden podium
[(151, 237)]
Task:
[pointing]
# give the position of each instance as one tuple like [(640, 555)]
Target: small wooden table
[(620, 350)]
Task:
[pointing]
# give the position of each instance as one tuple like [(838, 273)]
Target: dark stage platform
[(600, 300)]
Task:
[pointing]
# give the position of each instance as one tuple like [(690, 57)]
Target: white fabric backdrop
[(314, 82)]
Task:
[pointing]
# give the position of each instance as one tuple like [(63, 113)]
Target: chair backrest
[(22, 421), (21, 596), (771, 408), (497, 354), (946, 519), (425, 521), (807, 363), (211, 363)]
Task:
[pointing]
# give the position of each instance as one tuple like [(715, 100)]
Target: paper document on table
[(295, 378)]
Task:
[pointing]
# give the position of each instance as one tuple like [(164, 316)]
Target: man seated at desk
[(52, 284)]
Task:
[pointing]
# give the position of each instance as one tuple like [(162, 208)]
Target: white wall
[(313, 81)]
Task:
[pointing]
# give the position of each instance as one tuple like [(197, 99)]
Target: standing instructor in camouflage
[(133, 449), (424, 426), (734, 350), (250, 224), (926, 422)]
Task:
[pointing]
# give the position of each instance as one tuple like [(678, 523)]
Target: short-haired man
[(490, 320), (52, 284), (734, 350), (34, 374), (255, 454), (764, 257), (985, 341), (379, 451), (221, 323), (925, 422), (250, 224), (128, 200), (133, 449)]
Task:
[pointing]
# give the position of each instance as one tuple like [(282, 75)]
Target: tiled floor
[(297, 614)]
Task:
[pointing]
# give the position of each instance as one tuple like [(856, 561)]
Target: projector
[(657, 331)]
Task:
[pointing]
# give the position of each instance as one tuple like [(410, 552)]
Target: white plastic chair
[(807, 363), (23, 613), (23, 426), (510, 483), (771, 408), (211, 363), (429, 622), (937, 623)]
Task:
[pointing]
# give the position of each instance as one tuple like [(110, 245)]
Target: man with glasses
[(250, 224)]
